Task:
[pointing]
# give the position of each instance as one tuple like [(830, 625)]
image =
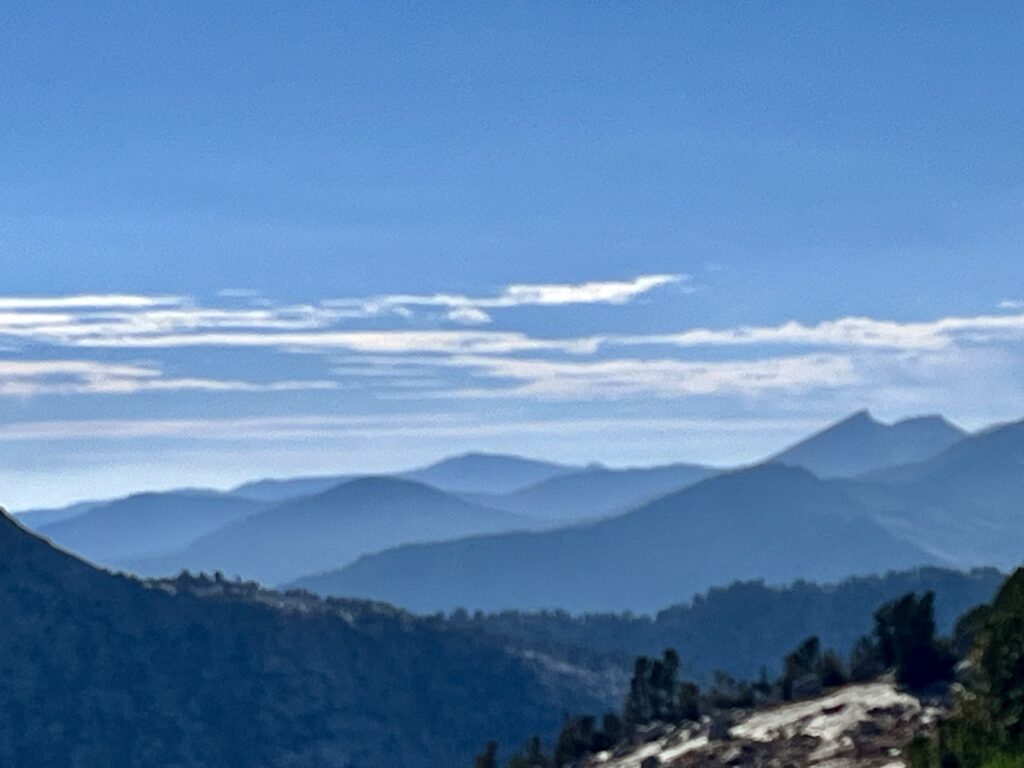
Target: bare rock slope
[(859, 726)]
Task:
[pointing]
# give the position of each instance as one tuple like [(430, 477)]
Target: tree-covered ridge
[(704, 630), (100, 669)]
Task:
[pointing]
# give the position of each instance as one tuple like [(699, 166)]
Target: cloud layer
[(430, 357)]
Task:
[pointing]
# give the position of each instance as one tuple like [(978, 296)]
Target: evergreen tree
[(905, 630), (489, 757)]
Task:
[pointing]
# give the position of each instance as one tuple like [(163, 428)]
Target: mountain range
[(681, 527), (960, 507), (595, 491), (772, 522), (311, 533)]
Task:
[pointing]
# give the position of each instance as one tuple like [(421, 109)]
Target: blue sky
[(315, 237)]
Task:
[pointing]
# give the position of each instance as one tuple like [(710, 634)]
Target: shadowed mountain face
[(486, 473), (597, 492), (861, 444), (103, 670), (966, 504), (771, 522), (331, 529), (145, 524)]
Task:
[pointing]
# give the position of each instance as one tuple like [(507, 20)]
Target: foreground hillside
[(104, 670), (771, 522)]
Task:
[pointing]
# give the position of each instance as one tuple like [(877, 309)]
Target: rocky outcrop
[(859, 726)]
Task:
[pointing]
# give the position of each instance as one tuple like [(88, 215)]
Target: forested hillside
[(105, 670)]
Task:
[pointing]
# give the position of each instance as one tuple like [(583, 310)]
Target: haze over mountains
[(965, 504), (860, 443), (589, 538), (146, 523), (596, 491), (773, 522), (304, 535)]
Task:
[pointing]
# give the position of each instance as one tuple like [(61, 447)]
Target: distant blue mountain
[(145, 524), (596, 491), (861, 444), (966, 504), (273, 490), (486, 473), (36, 518), (469, 473), (331, 529), (771, 522)]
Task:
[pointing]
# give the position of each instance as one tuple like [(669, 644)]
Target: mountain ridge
[(766, 522)]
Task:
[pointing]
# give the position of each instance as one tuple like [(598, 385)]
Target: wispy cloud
[(472, 309), (612, 379), (329, 426), (787, 357), (847, 332), (27, 378), (89, 301), (384, 342)]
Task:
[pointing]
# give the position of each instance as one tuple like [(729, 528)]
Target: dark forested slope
[(100, 670)]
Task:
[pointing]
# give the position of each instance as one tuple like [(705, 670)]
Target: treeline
[(986, 729), (704, 630), (904, 640)]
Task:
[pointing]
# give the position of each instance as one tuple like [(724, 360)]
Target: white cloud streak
[(472, 310), (29, 378), (89, 301), (618, 378), (846, 332), (329, 426)]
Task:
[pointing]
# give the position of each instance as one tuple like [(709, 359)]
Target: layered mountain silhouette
[(145, 524), (597, 491), (36, 518), (273, 490), (771, 522), (966, 504), (486, 473), (861, 444), (101, 669), (330, 529)]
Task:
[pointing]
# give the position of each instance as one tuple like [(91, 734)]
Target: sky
[(265, 239)]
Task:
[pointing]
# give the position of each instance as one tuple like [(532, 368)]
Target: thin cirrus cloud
[(89, 301), (506, 363), (470, 310), (617, 378), (27, 378), (845, 332), (331, 426)]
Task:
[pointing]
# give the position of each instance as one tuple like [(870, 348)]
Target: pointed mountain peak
[(860, 418), (860, 443)]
